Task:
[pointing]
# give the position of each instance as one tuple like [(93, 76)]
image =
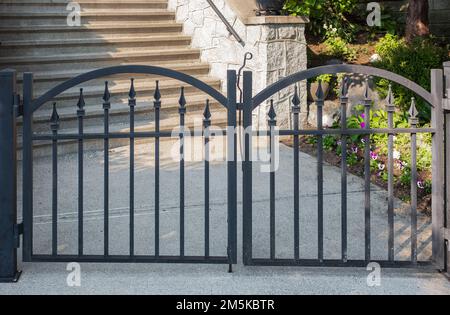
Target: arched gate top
[(343, 68), (132, 69)]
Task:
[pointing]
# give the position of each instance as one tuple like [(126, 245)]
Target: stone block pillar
[(277, 43)]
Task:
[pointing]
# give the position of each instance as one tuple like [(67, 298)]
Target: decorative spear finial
[(319, 93), (132, 94), (106, 97), (182, 102), (413, 112), (81, 103), (157, 95), (344, 88), (206, 115), (296, 101), (272, 114), (390, 100), (54, 119)]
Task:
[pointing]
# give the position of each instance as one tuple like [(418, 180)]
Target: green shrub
[(413, 61), (322, 78), (338, 48), (325, 12)]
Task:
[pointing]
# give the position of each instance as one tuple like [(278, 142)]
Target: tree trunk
[(417, 22)]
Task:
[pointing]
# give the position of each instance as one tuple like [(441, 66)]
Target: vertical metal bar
[(272, 123), (54, 127), (182, 112), (296, 113), (319, 104), (232, 167), (157, 106), (206, 124), (390, 168), (8, 177), (132, 105), (367, 176), (438, 211), (80, 114), (413, 122), (247, 169), (106, 108), (344, 102), (27, 166)]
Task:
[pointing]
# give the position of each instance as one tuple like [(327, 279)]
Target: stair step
[(54, 76), (87, 17), (88, 4), (95, 41), (169, 105), (119, 89), (96, 56), (50, 31), (95, 45), (99, 60)]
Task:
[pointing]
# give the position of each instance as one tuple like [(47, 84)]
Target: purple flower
[(363, 116), (373, 155), (362, 125), (420, 184), (354, 149), (339, 142)]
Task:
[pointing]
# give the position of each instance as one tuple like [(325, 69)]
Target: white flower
[(396, 155)]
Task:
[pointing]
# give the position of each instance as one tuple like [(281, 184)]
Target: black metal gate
[(30, 105), (434, 99), (12, 107)]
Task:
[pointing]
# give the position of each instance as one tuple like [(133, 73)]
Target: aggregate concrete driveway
[(50, 278)]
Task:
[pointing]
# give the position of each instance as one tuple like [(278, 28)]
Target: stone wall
[(278, 46)]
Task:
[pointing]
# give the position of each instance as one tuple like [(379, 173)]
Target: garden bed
[(402, 190)]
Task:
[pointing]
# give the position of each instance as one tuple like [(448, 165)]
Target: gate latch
[(18, 230)]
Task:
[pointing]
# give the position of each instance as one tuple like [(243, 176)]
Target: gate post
[(27, 167), (447, 164), (247, 169), (438, 178), (232, 168), (8, 178)]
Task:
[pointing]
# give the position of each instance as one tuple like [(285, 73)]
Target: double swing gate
[(12, 106)]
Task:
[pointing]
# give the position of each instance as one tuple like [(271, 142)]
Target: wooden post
[(438, 181), (447, 164)]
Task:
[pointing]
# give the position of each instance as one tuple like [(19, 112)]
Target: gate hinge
[(446, 232), (18, 105), (446, 104), (18, 230)]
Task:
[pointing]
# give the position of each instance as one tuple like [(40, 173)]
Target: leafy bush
[(413, 61), (338, 48), (325, 12), (322, 78)]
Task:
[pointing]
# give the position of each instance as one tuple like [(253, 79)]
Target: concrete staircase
[(35, 37)]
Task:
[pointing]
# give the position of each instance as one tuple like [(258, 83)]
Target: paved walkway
[(201, 279)]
